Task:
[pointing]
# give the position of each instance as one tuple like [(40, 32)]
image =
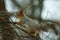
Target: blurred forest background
[(46, 13)]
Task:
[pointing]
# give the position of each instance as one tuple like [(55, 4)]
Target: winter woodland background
[(46, 10)]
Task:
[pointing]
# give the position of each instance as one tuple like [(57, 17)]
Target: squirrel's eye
[(21, 11)]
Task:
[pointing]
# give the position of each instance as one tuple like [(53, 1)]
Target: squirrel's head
[(20, 13)]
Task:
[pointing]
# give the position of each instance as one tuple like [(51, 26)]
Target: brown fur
[(22, 16)]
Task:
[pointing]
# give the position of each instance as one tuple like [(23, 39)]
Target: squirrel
[(31, 25), (25, 21)]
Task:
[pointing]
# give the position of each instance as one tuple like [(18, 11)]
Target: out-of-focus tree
[(2, 5)]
